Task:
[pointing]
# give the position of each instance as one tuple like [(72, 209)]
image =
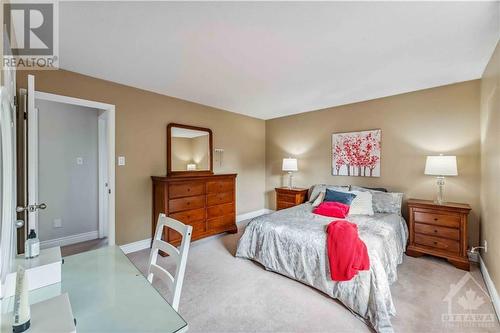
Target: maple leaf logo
[(470, 301)]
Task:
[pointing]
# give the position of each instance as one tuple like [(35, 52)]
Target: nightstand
[(439, 230), (289, 197)]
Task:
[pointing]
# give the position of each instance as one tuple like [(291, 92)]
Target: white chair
[(180, 255)]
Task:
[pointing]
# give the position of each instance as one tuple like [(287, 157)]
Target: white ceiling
[(178, 132), (270, 59)]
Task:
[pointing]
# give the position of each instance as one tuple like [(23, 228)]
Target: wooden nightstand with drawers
[(439, 230), (289, 197)]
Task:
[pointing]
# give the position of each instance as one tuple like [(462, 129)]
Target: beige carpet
[(222, 293)]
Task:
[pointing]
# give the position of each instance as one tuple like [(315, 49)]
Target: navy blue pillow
[(342, 197)]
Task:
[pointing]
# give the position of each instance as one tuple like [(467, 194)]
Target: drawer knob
[(435, 219), (435, 243), (435, 230)]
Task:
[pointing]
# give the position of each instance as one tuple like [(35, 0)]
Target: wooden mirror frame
[(171, 173)]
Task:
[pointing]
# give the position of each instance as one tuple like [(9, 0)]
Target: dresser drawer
[(429, 217), (189, 216), (434, 230), (444, 244), (220, 210), (186, 189), (286, 198), (220, 186), (221, 222), (186, 203), (219, 198), (199, 228), (284, 205)]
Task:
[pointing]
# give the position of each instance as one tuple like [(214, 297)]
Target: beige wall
[(201, 155), (141, 120), (490, 165), (439, 120), (190, 150), (182, 153)]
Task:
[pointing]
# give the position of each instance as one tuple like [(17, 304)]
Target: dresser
[(439, 230), (289, 197), (207, 203)]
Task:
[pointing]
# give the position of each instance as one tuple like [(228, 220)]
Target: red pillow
[(332, 209)]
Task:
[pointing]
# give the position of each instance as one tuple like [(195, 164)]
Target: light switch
[(121, 160), (79, 160)]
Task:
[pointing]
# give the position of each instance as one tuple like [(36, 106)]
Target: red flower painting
[(356, 153)]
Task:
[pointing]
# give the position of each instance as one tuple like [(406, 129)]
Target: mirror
[(189, 150)]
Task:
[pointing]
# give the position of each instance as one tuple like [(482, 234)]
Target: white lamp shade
[(441, 166), (290, 164)]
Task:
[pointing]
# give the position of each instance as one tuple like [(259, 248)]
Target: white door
[(32, 163), (7, 173)]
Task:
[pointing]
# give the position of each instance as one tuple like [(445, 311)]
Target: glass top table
[(108, 294)]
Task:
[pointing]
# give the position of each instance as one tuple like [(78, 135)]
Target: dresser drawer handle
[(435, 230), (435, 243), (435, 219)]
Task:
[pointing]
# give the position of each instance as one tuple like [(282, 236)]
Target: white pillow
[(319, 199), (362, 204)]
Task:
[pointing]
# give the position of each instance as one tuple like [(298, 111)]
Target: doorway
[(69, 169)]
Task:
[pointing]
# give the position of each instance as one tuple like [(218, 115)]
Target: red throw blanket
[(347, 253)]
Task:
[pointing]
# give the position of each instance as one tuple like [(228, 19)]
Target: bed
[(292, 242)]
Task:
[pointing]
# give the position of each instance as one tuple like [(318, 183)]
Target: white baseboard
[(145, 243), (491, 287), (63, 241), (251, 215), (136, 246)]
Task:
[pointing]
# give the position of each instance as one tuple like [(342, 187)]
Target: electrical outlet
[(79, 160), (485, 244), (121, 160), (57, 223)]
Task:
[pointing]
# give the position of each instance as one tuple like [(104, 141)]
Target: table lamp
[(290, 166), (441, 166)]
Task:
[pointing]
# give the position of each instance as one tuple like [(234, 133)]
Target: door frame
[(107, 113), (103, 174)]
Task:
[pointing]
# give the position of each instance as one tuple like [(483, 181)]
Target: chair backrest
[(180, 255)]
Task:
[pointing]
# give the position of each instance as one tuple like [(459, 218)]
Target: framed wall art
[(356, 153)]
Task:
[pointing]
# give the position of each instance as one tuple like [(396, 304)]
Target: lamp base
[(440, 194), (290, 179)]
